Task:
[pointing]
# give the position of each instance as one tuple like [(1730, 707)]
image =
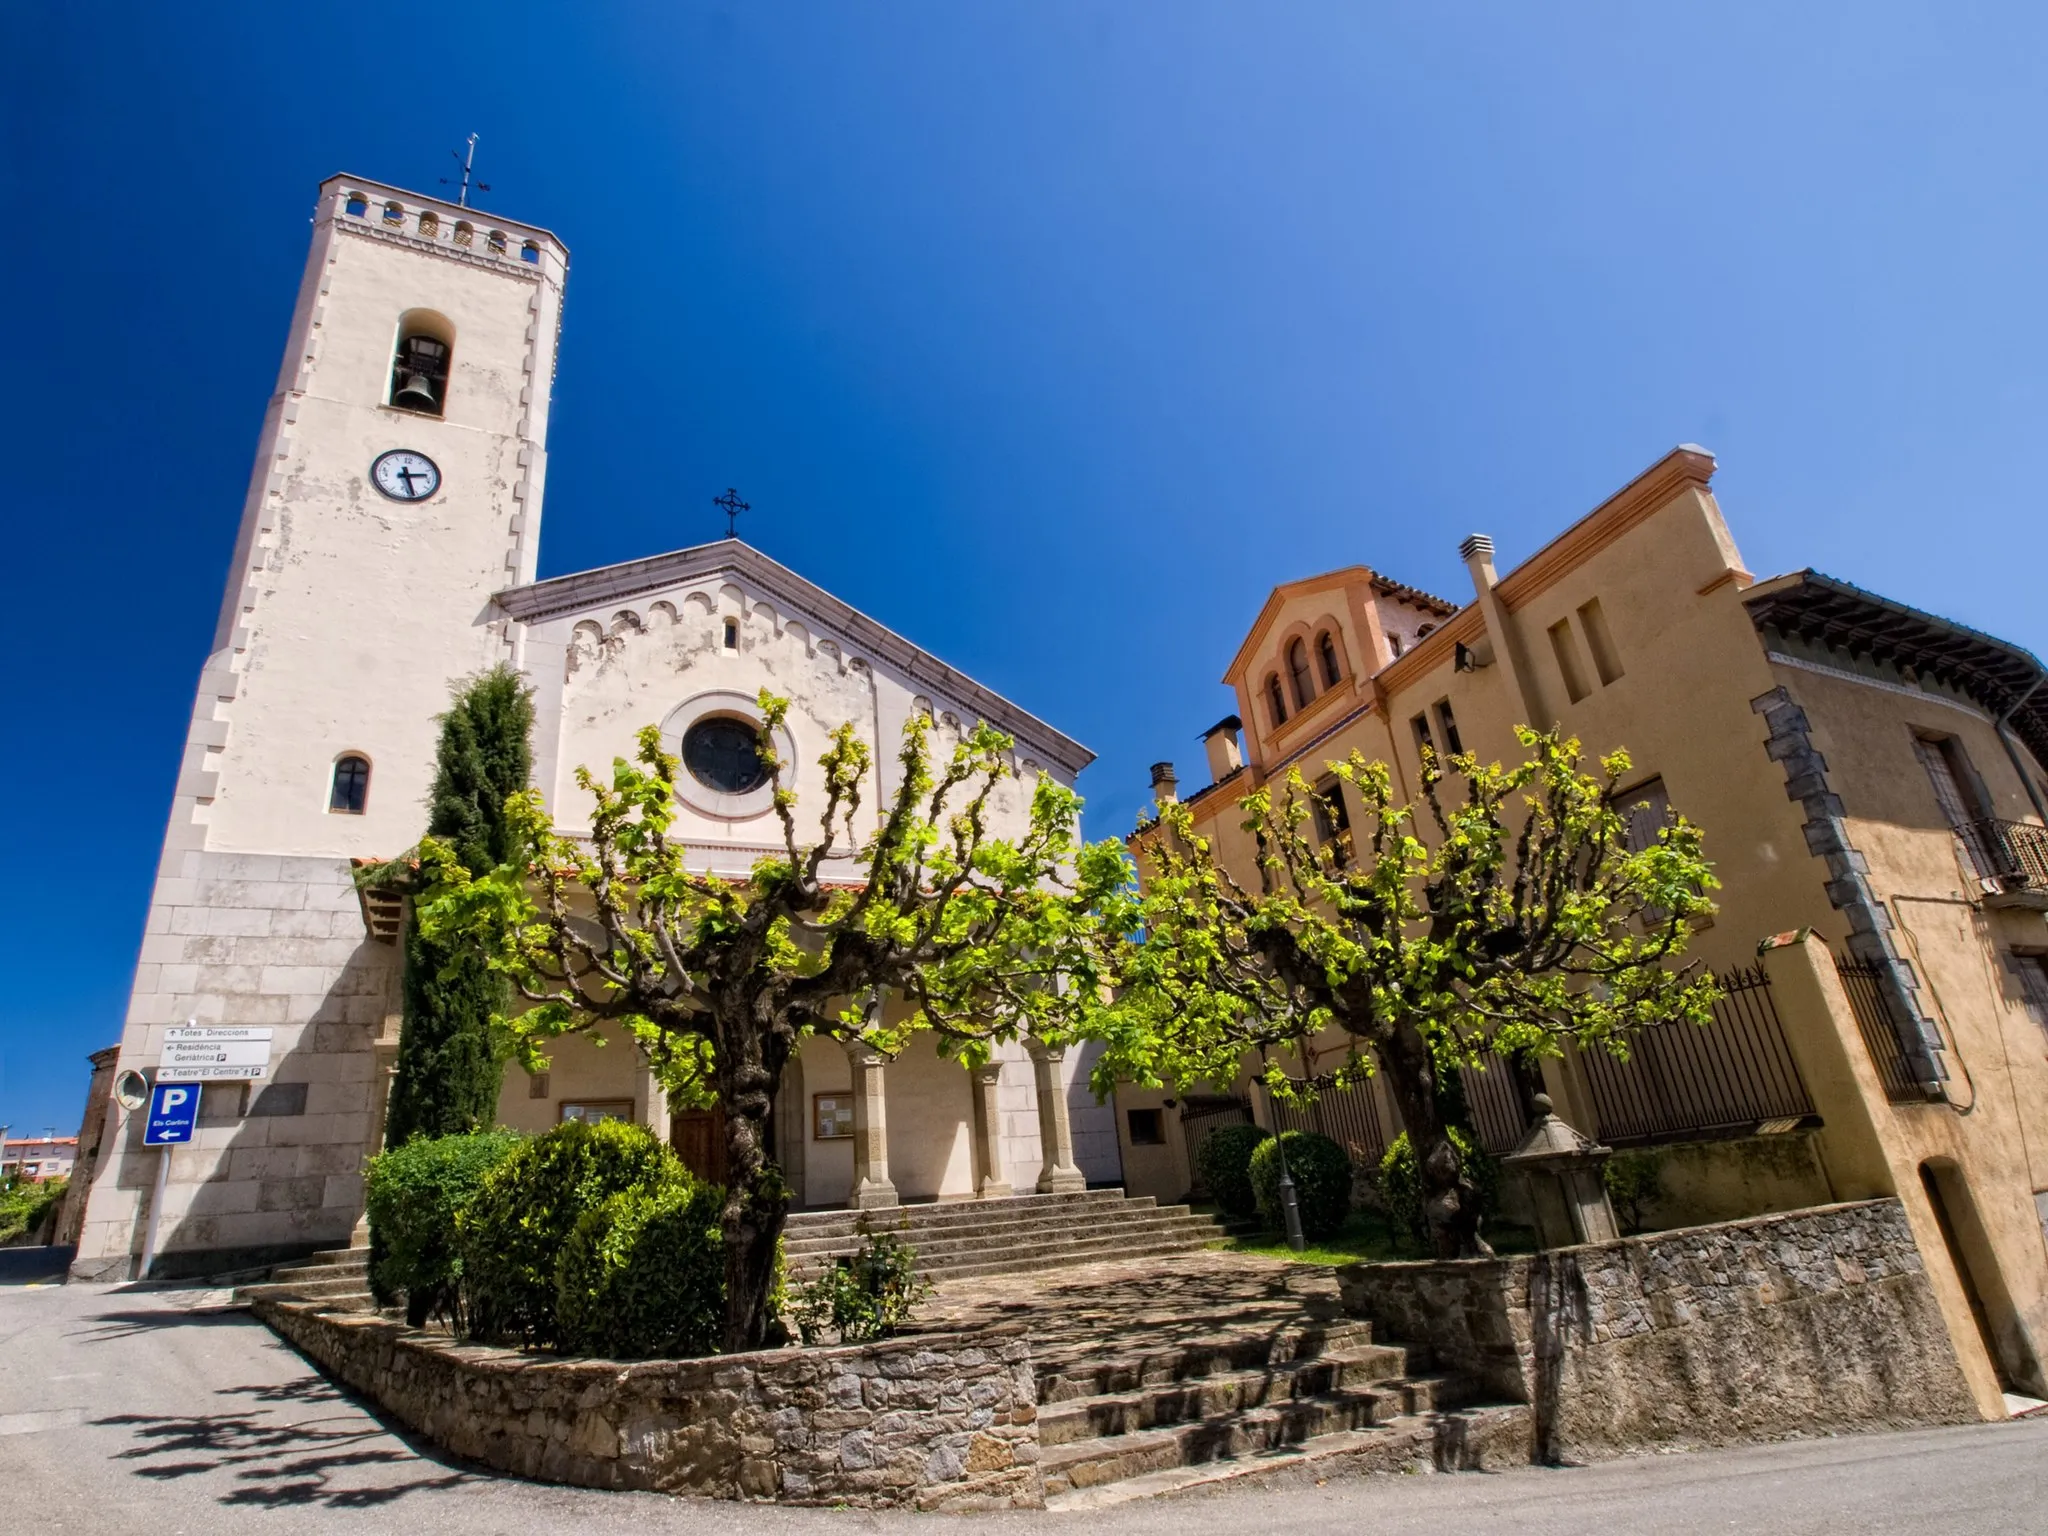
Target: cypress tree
[(448, 1071)]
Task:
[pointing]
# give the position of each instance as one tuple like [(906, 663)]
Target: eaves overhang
[(1996, 673)]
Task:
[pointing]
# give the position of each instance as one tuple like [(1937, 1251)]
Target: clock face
[(404, 475)]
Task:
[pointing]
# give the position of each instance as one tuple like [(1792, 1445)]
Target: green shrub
[(1633, 1185), (1321, 1171), (26, 1206), (865, 1295), (643, 1275), (512, 1233), (1225, 1164), (414, 1194), (1400, 1182)]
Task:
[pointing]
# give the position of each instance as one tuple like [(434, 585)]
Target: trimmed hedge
[(1321, 1171), (1401, 1181), (1225, 1164), (512, 1234), (643, 1275), (414, 1195)]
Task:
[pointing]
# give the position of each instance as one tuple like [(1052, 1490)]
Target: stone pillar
[(650, 1100), (988, 1132), (1059, 1176), (871, 1187)]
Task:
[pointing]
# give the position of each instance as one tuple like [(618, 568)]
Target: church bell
[(420, 371)]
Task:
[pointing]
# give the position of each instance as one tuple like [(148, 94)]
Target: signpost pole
[(156, 1211)]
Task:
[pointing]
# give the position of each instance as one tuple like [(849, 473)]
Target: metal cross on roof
[(732, 506)]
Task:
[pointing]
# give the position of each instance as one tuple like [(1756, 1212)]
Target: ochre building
[(1869, 780)]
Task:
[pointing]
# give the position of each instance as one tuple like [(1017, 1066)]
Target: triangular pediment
[(1329, 581), (596, 593)]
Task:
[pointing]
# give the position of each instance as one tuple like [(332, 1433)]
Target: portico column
[(650, 1100), (1059, 1176), (871, 1187), (988, 1131)]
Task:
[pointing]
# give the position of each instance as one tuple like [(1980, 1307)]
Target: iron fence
[(1875, 1021), (2012, 855), (1500, 1113), (1348, 1116), (1201, 1116), (1684, 1080)]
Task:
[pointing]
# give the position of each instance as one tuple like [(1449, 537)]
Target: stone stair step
[(959, 1232), (321, 1272), (1022, 1208), (338, 1256), (1469, 1440), (932, 1250), (1057, 1259), (308, 1290), (1342, 1358), (1064, 1380), (1112, 1458), (1376, 1369)]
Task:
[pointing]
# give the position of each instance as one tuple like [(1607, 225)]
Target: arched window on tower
[(465, 232), (530, 252), (420, 362), (1297, 669), (1276, 701), (430, 225), (356, 206), (394, 213), (494, 242), (1326, 653), (350, 792)]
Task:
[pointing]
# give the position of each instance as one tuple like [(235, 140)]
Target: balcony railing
[(2009, 855)]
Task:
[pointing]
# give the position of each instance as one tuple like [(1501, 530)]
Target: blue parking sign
[(173, 1108)]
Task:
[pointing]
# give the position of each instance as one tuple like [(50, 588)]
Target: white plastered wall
[(344, 619)]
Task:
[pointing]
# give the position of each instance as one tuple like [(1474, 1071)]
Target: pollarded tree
[(989, 938), (448, 1071), (1527, 921)]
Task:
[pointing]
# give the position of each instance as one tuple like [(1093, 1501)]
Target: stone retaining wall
[(946, 1421), (1803, 1323)]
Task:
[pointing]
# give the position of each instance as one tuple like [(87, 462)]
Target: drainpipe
[(2005, 740)]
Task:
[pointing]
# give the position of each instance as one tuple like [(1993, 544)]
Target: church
[(388, 546)]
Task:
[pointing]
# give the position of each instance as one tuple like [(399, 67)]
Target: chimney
[(1477, 552), (1225, 757), (1163, 783)]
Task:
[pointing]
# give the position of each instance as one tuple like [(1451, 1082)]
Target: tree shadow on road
[(278, 1455)]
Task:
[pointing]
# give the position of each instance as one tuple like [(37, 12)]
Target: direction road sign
[(173, 1109), (214, 1053)]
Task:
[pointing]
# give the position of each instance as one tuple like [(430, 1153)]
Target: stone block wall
[(1810, 1322), (937, 1422), (257, 939)]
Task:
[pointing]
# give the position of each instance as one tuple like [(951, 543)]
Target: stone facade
[(274, 1168), (937, 1422), (1811, 1322)]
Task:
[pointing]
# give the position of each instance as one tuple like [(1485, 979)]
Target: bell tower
[(397, 487)]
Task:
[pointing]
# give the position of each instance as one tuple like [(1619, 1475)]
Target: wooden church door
[(698, 1136)]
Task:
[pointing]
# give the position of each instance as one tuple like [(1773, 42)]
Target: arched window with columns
[(1326, 653), (1276, 700), (1297, 670)]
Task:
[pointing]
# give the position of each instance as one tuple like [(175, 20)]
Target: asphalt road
[(163, 1413)]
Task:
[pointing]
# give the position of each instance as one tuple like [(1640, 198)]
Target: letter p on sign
[(173, 1108)]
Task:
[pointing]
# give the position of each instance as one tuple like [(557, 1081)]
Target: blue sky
[(1050, 334)]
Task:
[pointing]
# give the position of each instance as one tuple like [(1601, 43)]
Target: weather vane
[(731, 505), (467, 162)]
